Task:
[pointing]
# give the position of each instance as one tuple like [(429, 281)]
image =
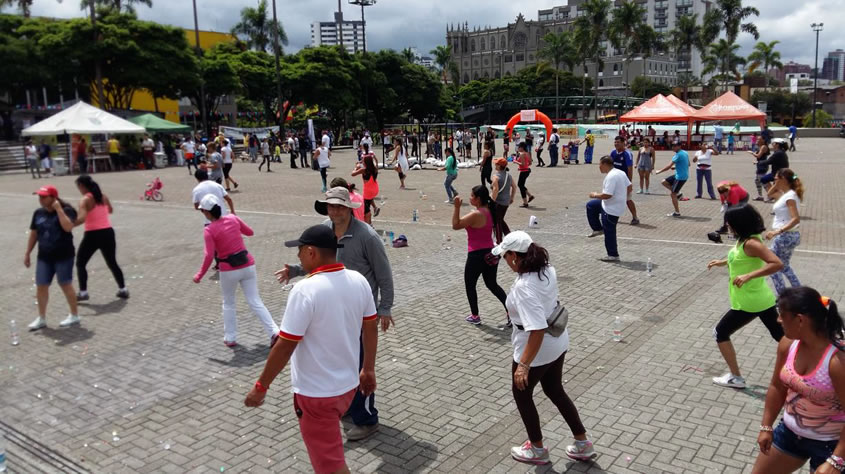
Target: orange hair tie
[(825, 301)]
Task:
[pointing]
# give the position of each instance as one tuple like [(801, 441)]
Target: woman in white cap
[(237, 267), (537, 356)]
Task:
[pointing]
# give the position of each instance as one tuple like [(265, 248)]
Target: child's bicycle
[(153, 191)]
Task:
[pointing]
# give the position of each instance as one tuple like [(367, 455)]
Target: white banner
[(793, 85), (528, 115), (311, 134), (237, 133)]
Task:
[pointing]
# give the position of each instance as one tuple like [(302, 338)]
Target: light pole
[(278, 73), (202, 79), (338, 17), (817, 27), (98, 71), (362, 4)]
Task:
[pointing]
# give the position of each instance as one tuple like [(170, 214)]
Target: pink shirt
[(224, 236), (98, 217), (812, 409), (482, 238), (735, 194), (358, 213)]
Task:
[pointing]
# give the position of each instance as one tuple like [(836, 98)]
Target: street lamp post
[(202, 79), (362, 4), (817, 27), (281, 120), (339, 20)]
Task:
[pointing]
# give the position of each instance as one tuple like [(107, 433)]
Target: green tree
[(25, 6), (784, 105), (126, 6), (558, 48), (442, 57), (473, 92), (685, 36), (256, 28), (723, 57), (645, 87), (628, 32), (219, 77), (764, 54), (408, 54), (733, 18), (596, 25), (583, 49), (822, 120)]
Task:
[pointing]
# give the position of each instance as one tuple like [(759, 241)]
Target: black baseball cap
[(320, 236)]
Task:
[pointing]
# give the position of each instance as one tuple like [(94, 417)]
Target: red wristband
[(260, 387)]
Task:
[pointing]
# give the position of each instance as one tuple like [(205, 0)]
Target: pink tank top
[(482, 238), (812, 409), (98, 217)]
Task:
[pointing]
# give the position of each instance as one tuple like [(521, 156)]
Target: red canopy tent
[(680, 103), (729, 106), (661, 109)]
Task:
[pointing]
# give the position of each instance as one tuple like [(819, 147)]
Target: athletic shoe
[(722, 230), (448, 201), (376, 212), (759, 198), (531, 198), (37, 324), (729, 380), (640, 191), (529, 454), (595, 233), (230, 343), (473, 319), (124, 293), (82, 297), (682, 199), (698, 197), (359, 432), (646, 191), (635, 222), (581, 450), (673, 214), (236, 185), (70, 320), (609, 258)]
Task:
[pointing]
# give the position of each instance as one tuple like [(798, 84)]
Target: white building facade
[(325, 33)]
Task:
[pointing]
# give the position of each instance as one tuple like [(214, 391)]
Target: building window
[(486, 74), (507, 74), (475, 63), (475, 76), (486, 61), (531, 57), (615, 68), (503, 42), (466, 78), (520, 41), (472, 44), (601, 82), (497, 75), (520, 57), (492, 42), (508, 58), (483, 44)]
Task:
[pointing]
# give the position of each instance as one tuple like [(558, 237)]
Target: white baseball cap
[(208, 202), (517, 241)]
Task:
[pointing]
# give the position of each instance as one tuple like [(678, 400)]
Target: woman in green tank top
[(749, 261)]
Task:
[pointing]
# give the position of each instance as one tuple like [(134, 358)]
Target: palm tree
[(257, 28), (558, 49), (442, 57), (596, 24), (628, 32), (723, 58), (24, 6), (583, 48), (408, 54), (685, 36), (118, 5), (732, 15), (765, 54)]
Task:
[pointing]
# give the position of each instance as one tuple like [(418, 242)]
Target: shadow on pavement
[(67, 336), (410, 448), (243, 357), (504, 335), (115, 306), (568, 464), (646, 226), (695, 219), (756, 391)]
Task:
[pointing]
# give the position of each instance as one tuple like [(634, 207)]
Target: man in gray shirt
[(363, 251), (215, 164)]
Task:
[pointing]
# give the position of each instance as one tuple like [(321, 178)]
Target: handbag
[(556, 321)]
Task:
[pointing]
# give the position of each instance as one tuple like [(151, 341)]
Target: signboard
[(793, 85), (528, 115)]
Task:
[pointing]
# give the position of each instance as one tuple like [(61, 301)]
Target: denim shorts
[(44, 271), (790, 443)]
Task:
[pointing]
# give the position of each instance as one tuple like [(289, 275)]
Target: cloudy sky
[(398, 24)]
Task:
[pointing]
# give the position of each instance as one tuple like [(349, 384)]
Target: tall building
[(833, 67), (790, 70), (325, 33), (493, 52)]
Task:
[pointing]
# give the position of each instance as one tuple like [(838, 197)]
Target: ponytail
[(483, 195), (792, 180), (534, 260), (91, 186), (821, 310)]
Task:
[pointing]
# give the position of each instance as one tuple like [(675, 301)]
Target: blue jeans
[(363, 409), (451, 192), (718, 143), (730, 148), (701, 175), (588, 155), (600, 220), (553, 155)]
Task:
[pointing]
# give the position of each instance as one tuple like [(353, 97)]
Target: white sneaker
[(581, 450), (70, 320), (37, 324), (595, 233), (640, 191), (529, 454), (729, 380), (609, 259)]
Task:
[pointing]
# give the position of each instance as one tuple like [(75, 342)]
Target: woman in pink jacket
[(223, 238)]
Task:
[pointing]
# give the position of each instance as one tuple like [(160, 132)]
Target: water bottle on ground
[(617, 329), (648, 267), (415, 216), (384, 237), (421, 194), (2, 453), (13, 328)]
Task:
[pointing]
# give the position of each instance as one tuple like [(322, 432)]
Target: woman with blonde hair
[(789, 191)]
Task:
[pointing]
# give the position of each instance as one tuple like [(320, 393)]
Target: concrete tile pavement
[(153, 370)]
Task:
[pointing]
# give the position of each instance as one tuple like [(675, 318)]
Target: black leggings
[(227, 167), (102, 240), (520, 183), (549, 377), (265, 159), (486, 173), (477, 266), (735, 319)]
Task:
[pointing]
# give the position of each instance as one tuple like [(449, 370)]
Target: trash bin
[(60, 166), (161, 160)]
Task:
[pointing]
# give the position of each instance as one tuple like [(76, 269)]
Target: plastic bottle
[(13, 328), (421, 194), (415, 216), (648, 267), (2, 453), (617, 329)]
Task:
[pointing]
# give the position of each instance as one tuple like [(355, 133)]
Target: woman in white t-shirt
[(704, 160), (323, 155), (400, 161), (784, 235), (537, 356), (30, 153)]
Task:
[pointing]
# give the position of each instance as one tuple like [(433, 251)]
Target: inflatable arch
[(531, 115)]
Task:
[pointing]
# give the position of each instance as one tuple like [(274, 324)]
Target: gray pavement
[(146, 385)]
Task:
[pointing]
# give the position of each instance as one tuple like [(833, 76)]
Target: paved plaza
[(146, 385)]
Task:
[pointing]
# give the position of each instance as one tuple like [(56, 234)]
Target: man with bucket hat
[(363, 251)]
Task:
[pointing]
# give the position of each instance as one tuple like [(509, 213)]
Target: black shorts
[(676, 184), (226, 168), (368, 203)]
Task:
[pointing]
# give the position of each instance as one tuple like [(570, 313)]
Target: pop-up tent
[(154, 123), (680, 103), (729, 106), (83, 119), (657, 109)]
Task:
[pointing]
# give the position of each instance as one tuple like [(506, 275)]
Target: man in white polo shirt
[(325, 315), (605, 208)]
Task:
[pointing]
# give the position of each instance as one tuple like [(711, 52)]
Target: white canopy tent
[(82, 118)]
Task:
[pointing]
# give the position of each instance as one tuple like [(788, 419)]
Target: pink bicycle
[(153, 191)]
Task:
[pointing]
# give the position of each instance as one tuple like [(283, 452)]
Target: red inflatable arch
[(531, 115)]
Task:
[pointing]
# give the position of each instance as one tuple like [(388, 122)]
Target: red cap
[(47, 191)]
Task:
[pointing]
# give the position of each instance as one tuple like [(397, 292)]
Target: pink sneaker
[(473, 319), (529, 454), (230, 343)]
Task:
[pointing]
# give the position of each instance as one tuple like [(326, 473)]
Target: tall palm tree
[(24, 6), (583, 47), (685, 36), (257, 28), (723, 57), (764, 54), (595, 24), (119, 5), (408, 54), (732, 15), (442, 57), (628, 32), (558, 48)]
